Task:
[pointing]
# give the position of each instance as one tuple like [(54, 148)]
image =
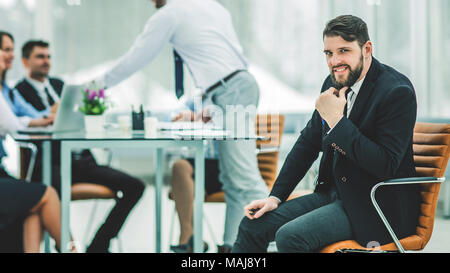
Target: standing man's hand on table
[(191, 116), (204, 116), (184, 116)]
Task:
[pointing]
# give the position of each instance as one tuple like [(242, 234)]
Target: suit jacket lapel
[(34, 96), (365, 92)]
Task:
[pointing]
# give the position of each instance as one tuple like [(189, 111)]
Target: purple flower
[(87, 90), (101, 93), (92, 95)]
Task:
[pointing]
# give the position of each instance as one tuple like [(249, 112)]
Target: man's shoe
[(188, 247), (184, 248), (224, 249)]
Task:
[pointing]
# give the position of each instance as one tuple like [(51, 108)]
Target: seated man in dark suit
[(363, 123), (43, 92)]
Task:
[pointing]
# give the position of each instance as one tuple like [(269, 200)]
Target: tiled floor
[(138, 233)]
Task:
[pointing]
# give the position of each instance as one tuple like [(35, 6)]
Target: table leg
[(158, 190), (47, 180), (199, 196), (66, 182)]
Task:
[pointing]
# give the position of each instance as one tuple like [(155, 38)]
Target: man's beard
[(353, 76)]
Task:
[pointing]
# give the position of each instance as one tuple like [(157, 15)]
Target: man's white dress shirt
[(202, 33), (351, 98)]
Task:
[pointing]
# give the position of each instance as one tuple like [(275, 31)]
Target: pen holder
[(138, 121)]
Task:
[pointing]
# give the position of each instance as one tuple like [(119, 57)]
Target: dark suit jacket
[(372, 145), (31, 95)]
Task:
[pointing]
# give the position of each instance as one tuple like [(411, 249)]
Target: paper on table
[(187, 126), (203, 133)]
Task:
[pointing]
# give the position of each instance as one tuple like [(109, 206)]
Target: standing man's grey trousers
[(235, 103)]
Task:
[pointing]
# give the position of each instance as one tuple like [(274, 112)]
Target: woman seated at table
[(25, 208)]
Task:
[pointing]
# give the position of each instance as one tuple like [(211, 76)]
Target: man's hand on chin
[(331, 104)]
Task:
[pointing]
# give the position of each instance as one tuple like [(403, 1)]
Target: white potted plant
[(94, 107)]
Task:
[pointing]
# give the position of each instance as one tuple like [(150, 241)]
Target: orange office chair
[(431, 155)]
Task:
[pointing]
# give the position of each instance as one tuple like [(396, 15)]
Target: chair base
[(413, 242)]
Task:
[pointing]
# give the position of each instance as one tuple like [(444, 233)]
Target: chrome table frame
[(159, 144)]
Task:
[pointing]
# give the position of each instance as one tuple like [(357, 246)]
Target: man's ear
[(25, 62), (368, 49)]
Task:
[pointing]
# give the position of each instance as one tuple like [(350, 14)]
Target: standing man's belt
[(219, 83)]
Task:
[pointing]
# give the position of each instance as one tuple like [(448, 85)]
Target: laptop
[(68, 117)]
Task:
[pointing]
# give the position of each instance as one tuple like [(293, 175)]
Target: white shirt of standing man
[(201, 32)]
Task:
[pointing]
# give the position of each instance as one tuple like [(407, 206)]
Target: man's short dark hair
[(349, 27), (30, 45)]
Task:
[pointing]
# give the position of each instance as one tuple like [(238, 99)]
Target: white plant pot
[(94, 123)]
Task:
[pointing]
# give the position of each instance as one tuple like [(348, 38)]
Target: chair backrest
[(270, 126), (431, 145)]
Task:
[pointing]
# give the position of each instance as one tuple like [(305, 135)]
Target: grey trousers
[(235, 105), (304, 224)]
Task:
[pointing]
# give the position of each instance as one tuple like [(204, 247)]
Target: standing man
[(204, 39), (363, 123)]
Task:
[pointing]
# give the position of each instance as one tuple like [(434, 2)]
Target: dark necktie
[(49, 98), (346, 97), (179, 77)]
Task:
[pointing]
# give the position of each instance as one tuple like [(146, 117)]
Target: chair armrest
[(399, 181), (414, 180), (34, 150)]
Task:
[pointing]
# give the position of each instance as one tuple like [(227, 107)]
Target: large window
[(282, 40), (439, 90)]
